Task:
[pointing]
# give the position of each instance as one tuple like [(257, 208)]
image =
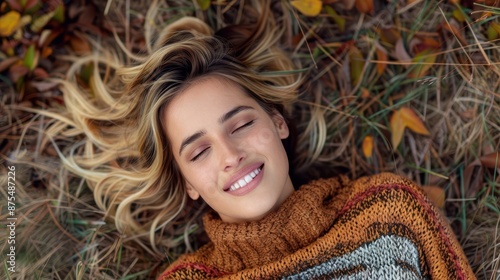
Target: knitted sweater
[(377, 227)]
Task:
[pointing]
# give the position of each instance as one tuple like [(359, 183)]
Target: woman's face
[(229, 149)]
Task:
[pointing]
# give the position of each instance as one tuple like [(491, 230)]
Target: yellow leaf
[(381, 57), (204, 4), (364, 6), (310, 8), (9, 23), (356, 64), (495, 26), (435, 194), (367, 146), (405, 118), (397, 128), (459, 15), (422, 62), (413, 122)]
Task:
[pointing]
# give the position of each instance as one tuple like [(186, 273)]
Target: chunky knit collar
[(303, 217)]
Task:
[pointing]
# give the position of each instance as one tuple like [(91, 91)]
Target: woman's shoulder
[(346, 188)]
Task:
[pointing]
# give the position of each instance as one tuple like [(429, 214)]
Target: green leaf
[(29, 58), (204, 4), (59, 13), (356, 63), (340, 21)]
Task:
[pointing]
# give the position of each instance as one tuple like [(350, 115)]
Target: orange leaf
[(365, 93), (389, 35), (310, 8), (367, 146), (356, 64), (435, 194), (80, 45), (9, 23), (364, 6), (401, 119), (413, 122), (381, 57), (491, 160), (397, 128)]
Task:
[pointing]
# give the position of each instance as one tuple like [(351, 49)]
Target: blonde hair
[(125, 155)]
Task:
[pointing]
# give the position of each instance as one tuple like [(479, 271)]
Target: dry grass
[(62, 235)]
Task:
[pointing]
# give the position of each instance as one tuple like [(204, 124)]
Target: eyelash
[(245, 125), (195, 158)]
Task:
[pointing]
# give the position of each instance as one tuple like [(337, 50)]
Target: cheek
[(263, 141), (203, 178)]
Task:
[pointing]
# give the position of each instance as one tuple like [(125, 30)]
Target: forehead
[(207, 94)]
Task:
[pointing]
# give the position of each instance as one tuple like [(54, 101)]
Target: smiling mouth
[(245, 179)]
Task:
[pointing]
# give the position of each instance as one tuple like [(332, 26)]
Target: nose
[(232, 153)]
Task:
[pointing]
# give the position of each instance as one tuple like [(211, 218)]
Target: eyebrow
[(222, 119)]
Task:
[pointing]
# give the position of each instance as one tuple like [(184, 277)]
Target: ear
[(280, 124), (192, 192)]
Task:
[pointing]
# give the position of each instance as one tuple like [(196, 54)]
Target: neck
[(303, 216)]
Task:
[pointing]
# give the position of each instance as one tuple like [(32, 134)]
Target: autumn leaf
[(422, 62), (356, 64), (80, 45), (364, 6), (340, 21), (459, 15), (491, 160), (31, 58), (9, 23), (310, 8), (435, 194), (493, 31), (204, 4), (389, 35), (367, 146), (405, 118), (381, 57)]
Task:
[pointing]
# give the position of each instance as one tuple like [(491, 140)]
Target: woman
[(205, 117)]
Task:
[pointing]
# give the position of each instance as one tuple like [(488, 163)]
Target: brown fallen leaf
[(381, 57), (364, 6), (435, 194), (474, 172), (79, 45), (356, 64), (389, 35), (491, 160), (6, 63)]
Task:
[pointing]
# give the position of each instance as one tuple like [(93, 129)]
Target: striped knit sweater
[(378, 227)]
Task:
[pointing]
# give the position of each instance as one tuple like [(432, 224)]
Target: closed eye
[(244, 126), (195, 158)]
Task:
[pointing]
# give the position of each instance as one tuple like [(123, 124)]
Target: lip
[(251, 185)]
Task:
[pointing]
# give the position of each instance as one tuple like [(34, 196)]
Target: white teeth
[(242, 183), (248, 178), (245, 180)]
